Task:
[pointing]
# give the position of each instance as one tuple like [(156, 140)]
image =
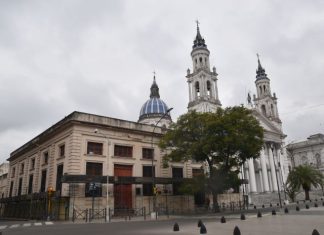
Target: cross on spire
[(197, 22)]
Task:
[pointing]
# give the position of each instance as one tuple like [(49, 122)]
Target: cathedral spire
[(154, 89), (199, 42), (260, 71)]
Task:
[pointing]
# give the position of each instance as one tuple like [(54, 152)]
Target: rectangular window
[(123, 151), (177, 173), (30, 184), (59, 174), (32, 164), (45, 158), (13, 172), (147, 153), (62, 150), (11, 188), (20, 186), (22, 166), (93, 189), (94, 148), (43, 181), (148, 188)]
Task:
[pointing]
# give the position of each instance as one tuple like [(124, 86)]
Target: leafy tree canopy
[(224, 139)]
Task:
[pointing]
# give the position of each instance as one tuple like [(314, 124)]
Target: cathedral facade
[(119, 162)]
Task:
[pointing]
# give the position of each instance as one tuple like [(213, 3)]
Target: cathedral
[(86, 157)]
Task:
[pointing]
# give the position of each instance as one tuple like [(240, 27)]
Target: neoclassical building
[(308, 152), (268, 173), (116, 162)]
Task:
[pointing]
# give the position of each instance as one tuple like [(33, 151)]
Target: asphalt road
[(302, 223)]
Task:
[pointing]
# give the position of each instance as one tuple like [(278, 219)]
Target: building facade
[(92, 161), (267, 174), (308, 152)]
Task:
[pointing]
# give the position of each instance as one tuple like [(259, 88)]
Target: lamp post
[(153, 172), (107, 167), (275, 168)]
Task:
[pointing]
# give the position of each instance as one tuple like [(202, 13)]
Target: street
[(302, 222)]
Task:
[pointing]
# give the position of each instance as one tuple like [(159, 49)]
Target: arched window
[(263, 109), (200, 60), (264, 88), (260, 89), (304, 160), (208, 89), (318, 161), (197, 89)]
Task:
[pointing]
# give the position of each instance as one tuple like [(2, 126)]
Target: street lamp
[(275, 167), (153, 175), (107, 167)]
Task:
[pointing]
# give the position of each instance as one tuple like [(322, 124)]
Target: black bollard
[(297, 208), (176, 227), (316, 200), (223, 220), (315, 204), (262, 206), (284, 203), (270, 205), (259, 214), (254, 207), (203, 229), (236, 231), (315, 232), (297, 202), (199, 223), (242, 216), (323, 204), (307, 206), (310, 200), (277, 204), (286, 210), (274, 212)]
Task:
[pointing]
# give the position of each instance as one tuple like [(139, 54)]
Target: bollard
[(315, 232), (254, 207), (284, 203), (236, 231), (223, 220), (274, 212), (262, 206), (286, 210), (310, 200), (323, 204), (297, 202), (307, 206), (277, 204), (176, 227), (270, 204), (297, 208), (242, 216), (203, 229), (259, 214), (315, 205), (316, 200), (199, 223)]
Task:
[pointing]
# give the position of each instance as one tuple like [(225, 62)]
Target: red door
[(123, 192)]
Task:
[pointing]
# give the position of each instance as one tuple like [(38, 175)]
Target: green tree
[(305, 176), (224, 140)]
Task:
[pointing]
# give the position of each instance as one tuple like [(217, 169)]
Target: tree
[(224, 140), (305, 176)]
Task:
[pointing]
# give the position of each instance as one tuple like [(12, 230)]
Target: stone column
[(261, 182), (273, 171), (264, 170), (190, 92), (252, 176)]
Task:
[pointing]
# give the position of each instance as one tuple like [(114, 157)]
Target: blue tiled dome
[(154, 107)]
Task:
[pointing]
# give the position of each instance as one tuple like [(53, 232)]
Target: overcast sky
[(57, 57)]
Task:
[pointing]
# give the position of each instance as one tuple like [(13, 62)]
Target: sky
[(98, 57)]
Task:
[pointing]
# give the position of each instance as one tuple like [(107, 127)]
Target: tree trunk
[(306, 194), (215, 203)]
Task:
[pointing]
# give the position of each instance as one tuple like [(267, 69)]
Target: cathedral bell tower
[(265, 102), (202, 82)]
